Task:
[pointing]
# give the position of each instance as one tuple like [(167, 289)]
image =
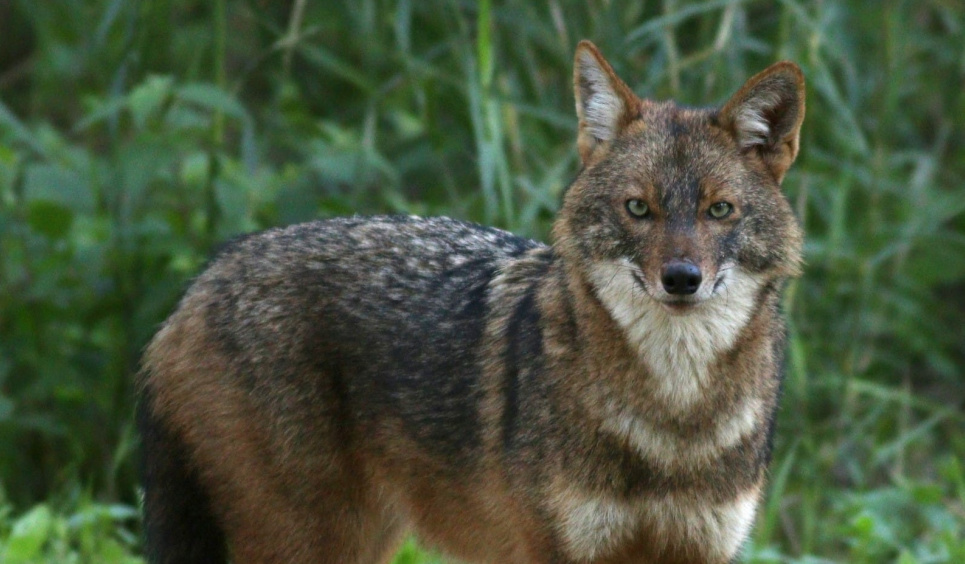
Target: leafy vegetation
[(136, 136)]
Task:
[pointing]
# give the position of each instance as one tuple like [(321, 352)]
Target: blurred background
[(137, 136)]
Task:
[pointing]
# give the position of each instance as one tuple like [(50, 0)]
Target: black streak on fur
[(780, 346), (447, 422), (524, 344), (179, 527)]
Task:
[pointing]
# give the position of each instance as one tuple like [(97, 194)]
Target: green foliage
[(410, 554), (91, 533), (137, 136)]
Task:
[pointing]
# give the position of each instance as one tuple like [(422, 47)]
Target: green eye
[(720, 210), (638, 208)]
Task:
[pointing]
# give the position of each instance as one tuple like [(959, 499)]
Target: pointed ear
[(604, 104), (766, 115)]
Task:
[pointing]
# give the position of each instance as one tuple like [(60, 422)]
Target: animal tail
[(179, 527)]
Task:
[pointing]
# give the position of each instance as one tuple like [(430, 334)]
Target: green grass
[(136, 136)]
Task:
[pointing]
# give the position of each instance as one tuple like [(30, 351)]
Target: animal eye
[(638, 208), (720, 210)]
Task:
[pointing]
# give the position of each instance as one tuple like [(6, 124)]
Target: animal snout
[(681, 278)]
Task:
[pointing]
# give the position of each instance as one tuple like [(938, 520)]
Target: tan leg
[(335, 530)]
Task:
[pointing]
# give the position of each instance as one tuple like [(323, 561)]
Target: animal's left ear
[(766, 115)]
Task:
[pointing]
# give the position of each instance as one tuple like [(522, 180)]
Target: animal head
[(678, 205)]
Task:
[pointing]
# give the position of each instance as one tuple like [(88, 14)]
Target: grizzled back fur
[(324, 389)]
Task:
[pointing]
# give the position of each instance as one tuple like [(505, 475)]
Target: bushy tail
[(179, 527)]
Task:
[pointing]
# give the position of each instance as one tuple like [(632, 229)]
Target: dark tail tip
[(179, 527)]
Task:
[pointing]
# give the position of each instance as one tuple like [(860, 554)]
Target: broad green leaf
[(148, 97), (195, 168), (212, 98), (49, 218), (28, 536), (906, 558), (58, 185)]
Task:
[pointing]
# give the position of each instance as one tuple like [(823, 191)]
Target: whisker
[(610, 281)]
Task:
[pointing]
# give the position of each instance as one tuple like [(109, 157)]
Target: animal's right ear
[(604, 103)]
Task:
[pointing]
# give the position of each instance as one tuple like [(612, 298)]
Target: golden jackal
[(326, 388)]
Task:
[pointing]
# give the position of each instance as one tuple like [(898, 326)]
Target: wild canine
[(326, 388)]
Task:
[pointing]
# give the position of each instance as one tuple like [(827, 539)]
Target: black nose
[(680, 278)]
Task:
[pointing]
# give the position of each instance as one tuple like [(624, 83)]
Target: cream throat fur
[(678, 349)]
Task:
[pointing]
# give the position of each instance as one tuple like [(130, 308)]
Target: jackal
[(325, 389)]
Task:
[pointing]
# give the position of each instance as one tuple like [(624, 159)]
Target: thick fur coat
[(327, 388)]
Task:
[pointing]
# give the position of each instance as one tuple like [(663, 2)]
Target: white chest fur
[(668, 448), (678, 349), (591, 527)]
